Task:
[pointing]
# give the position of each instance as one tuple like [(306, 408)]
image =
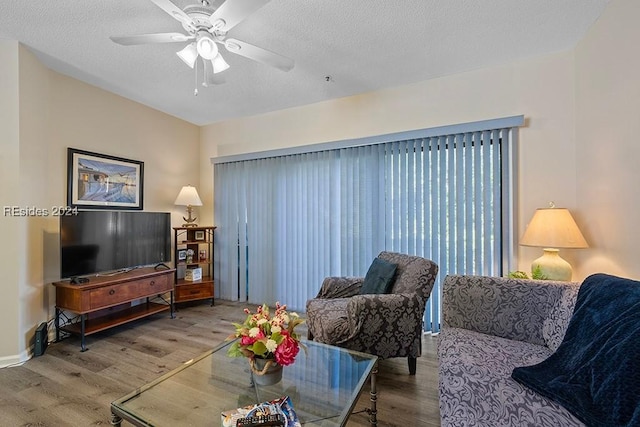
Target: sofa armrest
[(509, 308), (340, 287)]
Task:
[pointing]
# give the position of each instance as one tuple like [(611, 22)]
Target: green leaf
[(293, 323), (277, 337), (258, 348), (266, 327), (234, 350), (536, 273), (517, 275)]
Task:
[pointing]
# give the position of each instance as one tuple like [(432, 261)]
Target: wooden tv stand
[(106, 301)]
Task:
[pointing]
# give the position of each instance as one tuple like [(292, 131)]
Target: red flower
[(287, 351), (247, 340)]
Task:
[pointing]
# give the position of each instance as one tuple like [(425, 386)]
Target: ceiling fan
[(207, 28)]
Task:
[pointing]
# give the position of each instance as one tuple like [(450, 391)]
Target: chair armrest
[(509, 308), (340, 287)]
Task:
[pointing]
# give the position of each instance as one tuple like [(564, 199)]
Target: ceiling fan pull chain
[(195, 90)]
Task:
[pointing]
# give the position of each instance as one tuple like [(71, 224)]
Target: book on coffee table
[(282, 406)]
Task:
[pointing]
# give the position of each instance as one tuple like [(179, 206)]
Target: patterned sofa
[(490, 326)]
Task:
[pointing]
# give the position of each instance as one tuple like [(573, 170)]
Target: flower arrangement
[(267, 337), (190, 253)]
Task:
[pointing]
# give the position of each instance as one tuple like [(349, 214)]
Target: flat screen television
[(103, 241)]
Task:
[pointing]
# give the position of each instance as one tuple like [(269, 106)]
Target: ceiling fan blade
[(175, 12), (232, 12), (210, 78), (259, 54), (151, 38)]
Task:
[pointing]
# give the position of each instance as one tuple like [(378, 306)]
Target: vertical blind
[(286, 222)]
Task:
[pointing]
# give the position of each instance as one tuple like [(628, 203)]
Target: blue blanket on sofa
[(595, 372)]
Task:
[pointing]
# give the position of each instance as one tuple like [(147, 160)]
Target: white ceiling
[(364, 45)]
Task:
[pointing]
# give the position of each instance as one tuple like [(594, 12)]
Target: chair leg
[(412, 365)]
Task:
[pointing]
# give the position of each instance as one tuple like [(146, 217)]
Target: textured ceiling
[(363, 45)]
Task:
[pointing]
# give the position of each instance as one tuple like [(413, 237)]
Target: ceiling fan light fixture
[(219, 64), (189, 54), (205, 46)]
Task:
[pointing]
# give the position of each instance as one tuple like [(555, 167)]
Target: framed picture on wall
[(199, 235), (100, 181)]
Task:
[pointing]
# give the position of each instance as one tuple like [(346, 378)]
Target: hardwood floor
[(66, 387)]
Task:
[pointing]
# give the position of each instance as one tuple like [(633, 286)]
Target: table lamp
[(188, 197), (552, 228)]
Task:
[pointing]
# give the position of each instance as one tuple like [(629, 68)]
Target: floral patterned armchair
[(386, 325)]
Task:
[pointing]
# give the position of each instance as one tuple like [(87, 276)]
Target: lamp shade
[(553, 228), (188, 196)]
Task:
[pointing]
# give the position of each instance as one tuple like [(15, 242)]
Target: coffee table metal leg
[(373, 414), (115, 420)]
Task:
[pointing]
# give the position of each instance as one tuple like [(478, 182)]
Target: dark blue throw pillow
[(379, 278)]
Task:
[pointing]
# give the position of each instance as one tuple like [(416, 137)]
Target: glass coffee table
[(323, 383)]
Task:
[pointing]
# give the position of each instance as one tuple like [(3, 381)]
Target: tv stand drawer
[(110, 295), (122, 292), (195, 291)]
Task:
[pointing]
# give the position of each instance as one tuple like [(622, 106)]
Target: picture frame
[(182, 254), (198, 235), (100, 181)]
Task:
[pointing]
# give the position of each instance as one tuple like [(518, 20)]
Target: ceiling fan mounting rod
[(199, 18)]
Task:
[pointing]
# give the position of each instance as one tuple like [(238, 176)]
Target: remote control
[(260, 421)]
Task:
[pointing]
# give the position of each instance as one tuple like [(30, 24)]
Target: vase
[(265, 371)]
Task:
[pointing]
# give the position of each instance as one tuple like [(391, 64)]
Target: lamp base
[(189, 222), (552, 267)]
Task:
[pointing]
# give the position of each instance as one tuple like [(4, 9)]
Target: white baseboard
[(15, 360)]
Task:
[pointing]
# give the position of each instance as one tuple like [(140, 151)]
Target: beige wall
[(608, 130), (11, 250), (33, 191), (54, 112), (541, 89)]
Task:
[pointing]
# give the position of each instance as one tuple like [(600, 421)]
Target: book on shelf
[(282, 406)]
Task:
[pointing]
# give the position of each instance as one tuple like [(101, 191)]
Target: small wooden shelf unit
[(107, 301), (198, 240)]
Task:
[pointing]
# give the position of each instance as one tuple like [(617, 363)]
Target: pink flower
[(247, 340), (287, 351)]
